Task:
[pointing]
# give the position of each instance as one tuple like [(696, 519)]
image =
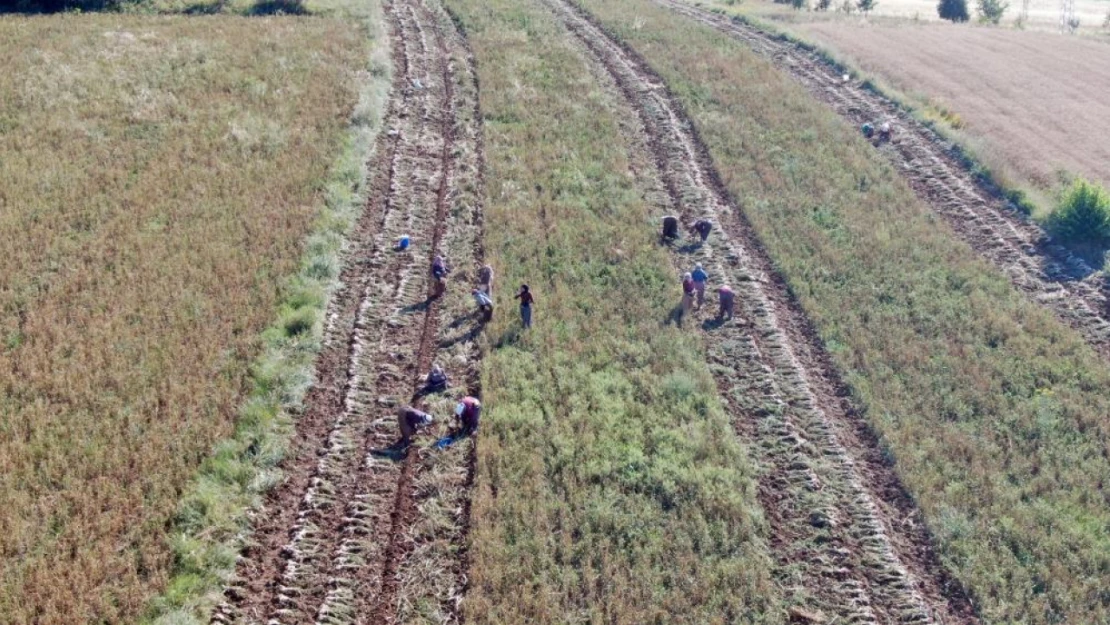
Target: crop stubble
[(1042, 269), (848, 541), (341, 539)]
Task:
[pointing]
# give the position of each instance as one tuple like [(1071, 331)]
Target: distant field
[(159, 176), (1035, 101)]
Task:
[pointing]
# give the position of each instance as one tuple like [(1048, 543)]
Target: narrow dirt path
[(1046, 271), (849, 544), (337, 541)]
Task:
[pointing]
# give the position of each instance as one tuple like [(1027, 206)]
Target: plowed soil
[(1043, 269), (848, 543), (352, 525)]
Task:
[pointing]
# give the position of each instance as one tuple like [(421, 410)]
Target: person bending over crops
[(700, 278), (485, 279), (702, 227), (440, 269), (728, 300), (485, 304), (670, 228), (468, 411), (437, 379), (410, 421), (687, 294)]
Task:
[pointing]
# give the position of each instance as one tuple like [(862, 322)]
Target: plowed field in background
[(1036, 101), (159, 177)]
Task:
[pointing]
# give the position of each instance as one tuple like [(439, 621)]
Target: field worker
[(437, 379), (410, 420), (702, 227), (485, 304), (468, 411), (485, 279), (700, 278), (868, 130), (728, 300), (884, 132), (440, 269), (670, 228), (687, 294), (526, 299)]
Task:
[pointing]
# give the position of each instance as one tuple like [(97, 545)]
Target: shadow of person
[(418, 307), (689, 248), (713, 324), (395, 452), (674, 317)]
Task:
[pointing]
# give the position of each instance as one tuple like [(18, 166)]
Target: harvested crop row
[(330, 546), (1043, 269), (844, 533)]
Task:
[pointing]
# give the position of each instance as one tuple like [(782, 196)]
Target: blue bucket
[(403, 243)]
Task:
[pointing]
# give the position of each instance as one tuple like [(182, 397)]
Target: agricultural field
[(219, 303), (1029, 100), (160, 176)]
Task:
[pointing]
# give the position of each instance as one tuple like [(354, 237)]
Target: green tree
[(1083, 216), (953, 10), (866, 6), (992, 10)]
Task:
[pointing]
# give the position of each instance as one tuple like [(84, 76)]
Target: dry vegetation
[(160, 175), (610, 487), (1034, 102), (994, 414)]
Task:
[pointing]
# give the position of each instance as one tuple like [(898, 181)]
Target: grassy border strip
[(213, 516)]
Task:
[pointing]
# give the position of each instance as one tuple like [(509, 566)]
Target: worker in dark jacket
[(409, 421), (440, 269), (468, 411), (702, 227)]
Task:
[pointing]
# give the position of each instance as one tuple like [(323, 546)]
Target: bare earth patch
[(1036, 100)]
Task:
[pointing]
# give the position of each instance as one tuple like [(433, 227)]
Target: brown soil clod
[(1045, 270), (835, 507), (333, 543)]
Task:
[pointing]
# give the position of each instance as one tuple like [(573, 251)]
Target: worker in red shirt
[(526, 299), (468, 411), (728, 299), (688, 289)]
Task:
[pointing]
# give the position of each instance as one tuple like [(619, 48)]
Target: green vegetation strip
[(610, 487), (994, 413), (160, 178), (211, 520)]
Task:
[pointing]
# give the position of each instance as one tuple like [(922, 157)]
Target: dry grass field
[(1033, 102), (160, 176)]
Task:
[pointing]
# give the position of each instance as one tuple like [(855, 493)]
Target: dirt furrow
[(1045, 270), (321, 543), (848, 541)]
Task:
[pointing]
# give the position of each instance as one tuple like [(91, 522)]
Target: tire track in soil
[(1046, 271), (328, 546), (848, 542)]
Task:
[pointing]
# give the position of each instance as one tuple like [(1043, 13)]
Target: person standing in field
[(485, 304), (526, 299), (700, 278), (728, 301), (687, 294), (410, 421), (468, 411), (485, 279)]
